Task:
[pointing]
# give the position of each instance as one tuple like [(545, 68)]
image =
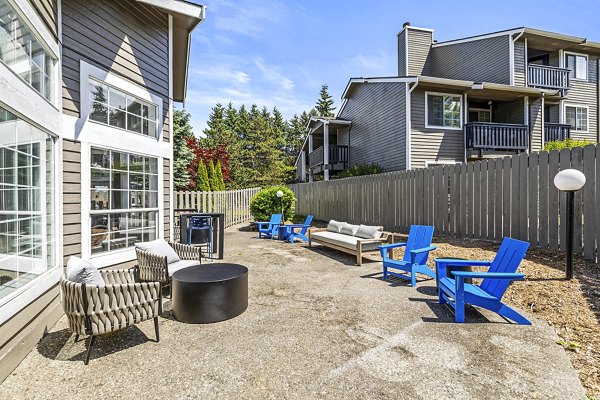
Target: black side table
[(209, 293)]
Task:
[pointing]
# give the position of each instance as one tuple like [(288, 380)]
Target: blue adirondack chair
[(293, 235), (269, 229), (415, 257), (488, 295)]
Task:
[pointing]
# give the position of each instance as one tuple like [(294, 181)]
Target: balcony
[(493, 136), (553, 132), (338, 159), (546, 77)]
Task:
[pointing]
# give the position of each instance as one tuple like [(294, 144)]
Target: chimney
[(414, 44)]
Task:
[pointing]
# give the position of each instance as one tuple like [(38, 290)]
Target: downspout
[(408, 121), (512, 56)]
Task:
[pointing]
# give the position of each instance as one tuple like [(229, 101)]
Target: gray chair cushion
[(160, 247), (181, 264), (335, 226), (369, 232), (349, 229), (81, 271)]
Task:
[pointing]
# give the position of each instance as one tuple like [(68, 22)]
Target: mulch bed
[(571, 307)]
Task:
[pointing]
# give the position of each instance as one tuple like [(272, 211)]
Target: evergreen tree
[(219, 174), (182, 154), (217, 131), (324, 105), (212, 176), (203, 182)]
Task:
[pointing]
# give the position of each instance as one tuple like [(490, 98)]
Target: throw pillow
[(160, 247), (369, 232), (82, 271), (335, 226), (349, 229)]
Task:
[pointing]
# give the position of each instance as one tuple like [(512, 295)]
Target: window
[(124, 195), (480, 115), (26, 203), (116, 108), (23, 53), (577, 65), (577, 117), (443, 111)]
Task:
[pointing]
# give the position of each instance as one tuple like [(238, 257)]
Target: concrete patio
[(317, 326)]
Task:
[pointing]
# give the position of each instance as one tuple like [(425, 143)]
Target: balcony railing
[(554, 132), (337, 155), (493, 136), (545, 77)]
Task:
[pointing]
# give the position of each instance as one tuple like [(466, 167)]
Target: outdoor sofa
[(357, 240)]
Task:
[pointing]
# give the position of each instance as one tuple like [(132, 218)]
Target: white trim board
[(479, 37)]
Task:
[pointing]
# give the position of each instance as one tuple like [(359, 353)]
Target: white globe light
[(279, 194), (569, 180)]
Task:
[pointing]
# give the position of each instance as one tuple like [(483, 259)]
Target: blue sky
[(278, 53)]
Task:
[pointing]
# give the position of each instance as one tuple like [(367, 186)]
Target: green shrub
[(362, 169), (266, 202), (566, 144)]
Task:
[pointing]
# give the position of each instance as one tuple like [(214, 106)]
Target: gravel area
[(317, 326)]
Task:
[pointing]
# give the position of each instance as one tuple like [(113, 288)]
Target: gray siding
[(520, 63), (536, 127), (402, 71), (167, 195), (419, 45), (378, 133), (586, 94), (553, 113), (71, 199), (47, 9), (509, 112), (431, 144), (485, 60), (125, 37), (23, 331)]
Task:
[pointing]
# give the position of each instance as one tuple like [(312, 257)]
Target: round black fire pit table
[(209, 293)]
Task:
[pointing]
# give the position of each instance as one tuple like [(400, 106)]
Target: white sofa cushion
[(335, 226), (369, 232), (339, 239), (160, 247), (181, 264), (82, 271), (349, 229)]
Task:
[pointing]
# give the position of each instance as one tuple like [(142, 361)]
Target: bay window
[(124, 199), (27, 220), (443, 111)]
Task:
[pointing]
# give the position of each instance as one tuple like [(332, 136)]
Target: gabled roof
[(186, 16)]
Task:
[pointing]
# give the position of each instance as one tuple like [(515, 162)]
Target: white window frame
[(120, 255), (587, 65), (479, 109), (447, 128), (565, 105), (98, 129)]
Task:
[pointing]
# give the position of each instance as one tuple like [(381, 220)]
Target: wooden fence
[(490, 199), (234, 203)]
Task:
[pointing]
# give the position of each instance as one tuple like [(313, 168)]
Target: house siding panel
[(402, 53), (71, 199), (536, 128), (125, 38), (47, 10), (429, 144), (419, 46), (586, 94), (484, 60), (378, 133), (520, 63)]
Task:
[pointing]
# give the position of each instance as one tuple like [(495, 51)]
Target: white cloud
[(248, 18), (222, 72), (273, 74)]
